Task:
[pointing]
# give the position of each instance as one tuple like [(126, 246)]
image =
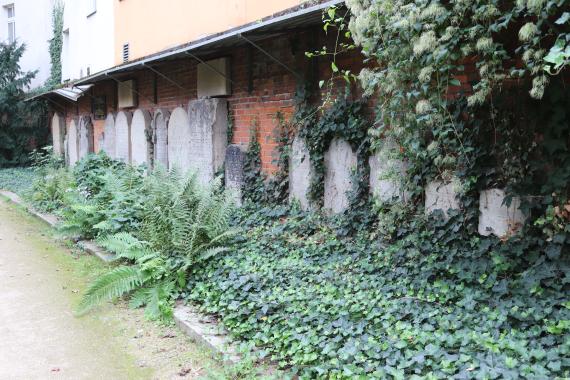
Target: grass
[(17, 180)]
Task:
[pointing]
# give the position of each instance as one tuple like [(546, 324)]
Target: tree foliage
[(23, 125)]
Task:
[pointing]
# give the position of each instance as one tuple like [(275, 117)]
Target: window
[(11, 15), (91, 7)]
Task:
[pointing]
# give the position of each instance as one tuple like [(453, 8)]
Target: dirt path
[(40, 338)]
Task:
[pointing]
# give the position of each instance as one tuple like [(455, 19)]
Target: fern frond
[(124, 245), (211, 252), (139, 298), (109, 286)]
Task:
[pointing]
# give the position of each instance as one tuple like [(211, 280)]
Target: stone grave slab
[(123, 136), (140, 130), (208, 136), (340, 163), (496, 218), (300, 173)]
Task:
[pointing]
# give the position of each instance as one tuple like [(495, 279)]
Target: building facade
[(148, 26), (88, 37), (29, 22)]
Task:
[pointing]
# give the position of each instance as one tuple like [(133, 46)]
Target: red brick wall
[(273, 88)]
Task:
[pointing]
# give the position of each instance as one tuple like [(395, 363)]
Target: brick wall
[(260, 90)]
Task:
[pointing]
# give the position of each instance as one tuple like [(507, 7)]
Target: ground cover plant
[(435, 303), (17, 180)]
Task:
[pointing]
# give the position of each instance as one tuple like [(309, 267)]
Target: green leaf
[(334, 67)]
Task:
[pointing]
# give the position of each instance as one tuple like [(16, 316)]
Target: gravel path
[(40, 338)]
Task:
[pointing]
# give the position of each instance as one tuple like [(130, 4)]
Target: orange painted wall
[(150, 26)]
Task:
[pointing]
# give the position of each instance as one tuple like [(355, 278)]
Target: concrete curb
[(205, 330), (52, 220), (94, 250), (199, 327)]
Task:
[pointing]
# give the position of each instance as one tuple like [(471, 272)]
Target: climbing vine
[(342, 120), (56, 45)]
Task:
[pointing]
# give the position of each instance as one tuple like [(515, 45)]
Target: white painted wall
[(33, 27), (88, 38)]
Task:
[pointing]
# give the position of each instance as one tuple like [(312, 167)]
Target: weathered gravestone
[(340, 163), (442, 196), (58, 134), (100, 142), (110, 136), (497, 218), (300, 173), (160, 129), (386, 173), (72, 143), (66, 151), (208, 136), (86, 139), (140, 130), (179, 141), (235, 158), (123, 136)]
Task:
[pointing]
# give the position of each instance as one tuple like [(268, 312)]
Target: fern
[(109, 286), (124, 245)]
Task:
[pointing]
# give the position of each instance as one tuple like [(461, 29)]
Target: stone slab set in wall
[(160, 137), (300, 173), (85, 139), (179, 140), (58, 134), (208, 136), (234, 167), (110, 135), (496, 218), (72, 143), (442, 196), (385, 173), (123, 136), (340, 164), (140, 131)]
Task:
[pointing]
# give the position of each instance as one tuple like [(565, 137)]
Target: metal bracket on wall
[(164, 77), (132, 88), (270, 56)]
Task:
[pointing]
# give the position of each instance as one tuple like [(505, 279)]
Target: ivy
[(344, 119), (56, 45), (437, 303)]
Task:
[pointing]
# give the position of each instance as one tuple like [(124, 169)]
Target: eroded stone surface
[(442, 196), (160, 128), (110, 135), (58, 134), (123, 136), (498, 219), (385, 173), (140, 129), (208, 136), (179, 140), (72, 143), (234, 176), (340, 163), (300, 172), (86, 139)]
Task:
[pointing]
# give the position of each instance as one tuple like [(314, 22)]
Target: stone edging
[(201, 328)]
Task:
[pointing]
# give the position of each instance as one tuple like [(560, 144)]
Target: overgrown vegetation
[(383, 292), (56, 45), (17, 180), (160, 225), (23, 125)]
